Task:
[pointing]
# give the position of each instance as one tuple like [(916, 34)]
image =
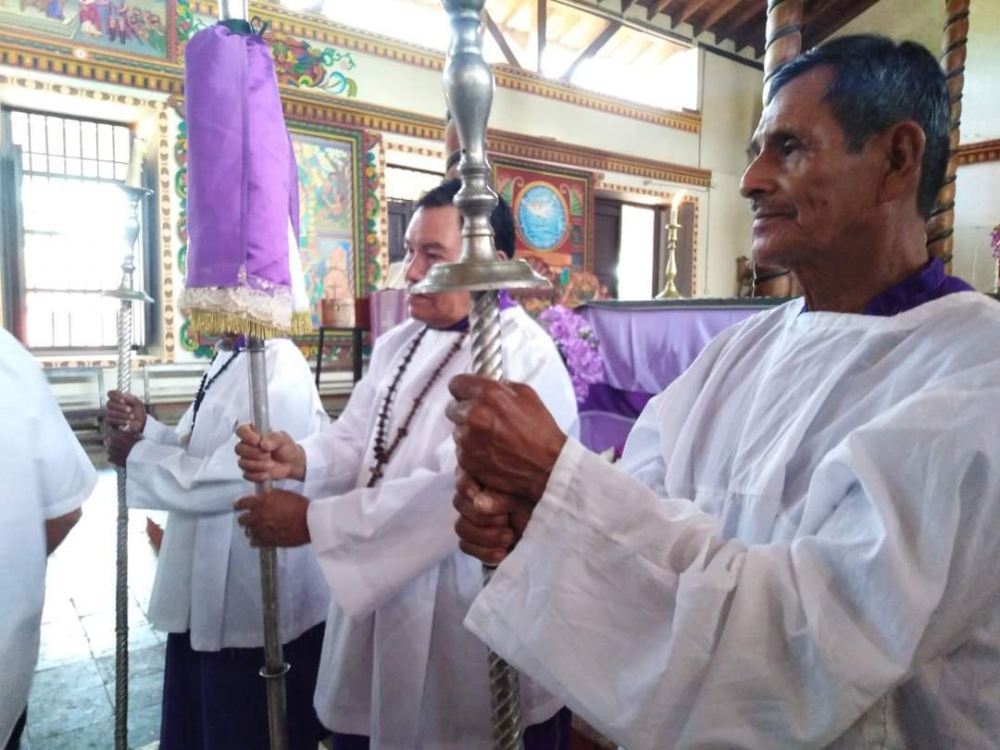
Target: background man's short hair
[(877, 83), (502, 220)]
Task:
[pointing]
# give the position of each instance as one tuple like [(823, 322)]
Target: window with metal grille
[(73, 213)]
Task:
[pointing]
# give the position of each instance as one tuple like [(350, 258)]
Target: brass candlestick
[(670, 290)]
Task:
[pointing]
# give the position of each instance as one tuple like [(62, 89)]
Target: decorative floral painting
[(138, 27), (552, 212)]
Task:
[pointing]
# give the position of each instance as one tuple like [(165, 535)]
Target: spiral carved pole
[(784, 37), (128, 296), (941, 225), (468, 83)]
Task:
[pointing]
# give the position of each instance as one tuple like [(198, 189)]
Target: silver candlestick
[(468, 82), (128, 295)]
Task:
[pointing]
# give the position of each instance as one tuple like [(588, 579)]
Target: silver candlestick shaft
[(468, 83), (128, 295), (275, 667)]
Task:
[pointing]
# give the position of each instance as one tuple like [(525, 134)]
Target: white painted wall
[(977, 211), (731, 106)]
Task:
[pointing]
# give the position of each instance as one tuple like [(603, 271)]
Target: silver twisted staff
[(468, 82), (128, 295)]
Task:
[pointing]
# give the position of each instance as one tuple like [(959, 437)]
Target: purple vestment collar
[(928, 284)]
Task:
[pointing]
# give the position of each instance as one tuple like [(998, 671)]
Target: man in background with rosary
[(398, 668), (207, 589)]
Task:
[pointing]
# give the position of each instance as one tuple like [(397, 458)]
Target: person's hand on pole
[(125, 411), (271, 456), (275, 519)]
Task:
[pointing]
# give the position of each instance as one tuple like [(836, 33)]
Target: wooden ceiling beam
[(655, 8), (754, 9), (753, 35), (816, 34), (497, 33), (717, 13), (593, 48), (690, 8)]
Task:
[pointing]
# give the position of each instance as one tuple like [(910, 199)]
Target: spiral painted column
[(784, 37), (941, 225)]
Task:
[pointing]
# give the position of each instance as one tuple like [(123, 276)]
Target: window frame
[(12, 240)]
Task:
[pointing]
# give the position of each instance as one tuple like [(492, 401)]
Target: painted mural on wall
[(552, 211), (327, 220), (302, 65), (138, 27), (339, 212)]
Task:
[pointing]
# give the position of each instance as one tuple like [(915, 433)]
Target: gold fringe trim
[(302, 323), (218, 324)]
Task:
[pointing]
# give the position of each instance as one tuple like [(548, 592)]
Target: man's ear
[(903, 147)]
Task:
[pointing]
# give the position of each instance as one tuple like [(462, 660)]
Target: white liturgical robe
[(46, 474), (208, 575), (397, 664), (800, 548)]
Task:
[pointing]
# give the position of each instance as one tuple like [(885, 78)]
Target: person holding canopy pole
[(244, 282), (398, 670)]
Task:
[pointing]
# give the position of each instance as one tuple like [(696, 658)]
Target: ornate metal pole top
[(126, 289), (468, 83)]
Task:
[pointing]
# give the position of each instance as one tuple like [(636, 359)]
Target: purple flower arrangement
[(578, 346)]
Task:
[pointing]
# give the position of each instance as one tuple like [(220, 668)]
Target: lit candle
[(675, 206), (134, 177)]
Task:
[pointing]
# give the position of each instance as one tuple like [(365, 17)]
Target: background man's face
[(808, 195), (434, 236)]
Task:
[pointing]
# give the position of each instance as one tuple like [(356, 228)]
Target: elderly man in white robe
[(799, 547), (47, 477), (207, 593), (399, 671)]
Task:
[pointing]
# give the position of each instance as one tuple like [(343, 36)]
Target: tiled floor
[(72, 697)]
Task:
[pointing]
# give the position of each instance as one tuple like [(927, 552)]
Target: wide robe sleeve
[(632, 608), (166, 476), (372, 542)]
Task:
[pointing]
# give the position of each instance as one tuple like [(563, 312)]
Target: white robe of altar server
[(397, 664), (208, 575), (801, 550), (45, 474)]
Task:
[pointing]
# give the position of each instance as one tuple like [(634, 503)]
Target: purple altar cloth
[(644, 349)]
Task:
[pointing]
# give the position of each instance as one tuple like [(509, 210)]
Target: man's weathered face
[(434, 236), (808, 194)]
